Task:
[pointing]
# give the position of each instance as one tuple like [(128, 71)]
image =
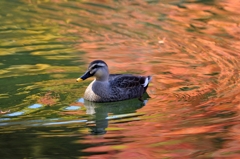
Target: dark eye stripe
[(97, 65), (93, 71)]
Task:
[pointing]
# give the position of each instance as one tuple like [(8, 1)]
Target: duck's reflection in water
[(118, 110)]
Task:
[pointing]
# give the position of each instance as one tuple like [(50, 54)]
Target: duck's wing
[(113, 76), (129, 81)]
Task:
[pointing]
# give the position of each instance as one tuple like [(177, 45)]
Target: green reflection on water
[(36, 57), (42, 142), (65, 138), (41, 48)]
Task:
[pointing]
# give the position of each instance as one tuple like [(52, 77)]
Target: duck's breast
[(97, 91)]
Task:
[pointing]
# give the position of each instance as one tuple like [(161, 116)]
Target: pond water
[(190, 47)]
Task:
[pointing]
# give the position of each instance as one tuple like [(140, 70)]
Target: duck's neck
[(102, 74), (102, 78)]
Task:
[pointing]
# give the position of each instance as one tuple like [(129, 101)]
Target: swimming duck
[(112, 87)]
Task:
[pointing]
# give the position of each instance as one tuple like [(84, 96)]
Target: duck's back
[(125, 86), (118, 87)]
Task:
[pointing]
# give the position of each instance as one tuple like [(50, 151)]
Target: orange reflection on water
[(191, 48), (195, 79)]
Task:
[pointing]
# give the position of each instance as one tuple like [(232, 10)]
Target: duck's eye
[(95, 66), (92, 71)]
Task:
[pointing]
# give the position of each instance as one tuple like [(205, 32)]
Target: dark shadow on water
[(117, 110), (57, 138), (43, 142)]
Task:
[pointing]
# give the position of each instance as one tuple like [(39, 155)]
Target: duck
[(112, 87)]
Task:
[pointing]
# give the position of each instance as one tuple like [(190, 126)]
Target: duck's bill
[(79, 79), (85, 76)]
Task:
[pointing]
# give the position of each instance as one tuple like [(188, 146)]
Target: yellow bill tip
[(79, 79)]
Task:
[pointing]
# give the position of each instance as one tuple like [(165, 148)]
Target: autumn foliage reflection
[(191, 48)]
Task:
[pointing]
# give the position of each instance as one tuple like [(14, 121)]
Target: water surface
[(191, 48)]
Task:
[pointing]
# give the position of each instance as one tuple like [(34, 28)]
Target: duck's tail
[(147, 81), (145, 86)]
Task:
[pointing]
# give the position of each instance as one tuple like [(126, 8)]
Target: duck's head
[(98, 69)]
